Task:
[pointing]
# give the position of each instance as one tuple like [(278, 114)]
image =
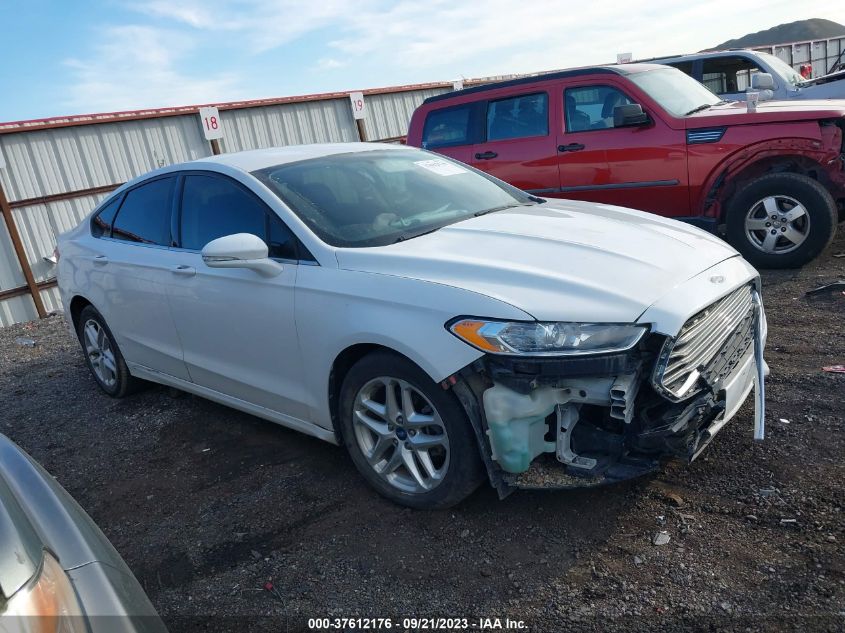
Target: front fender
[(337, 309)]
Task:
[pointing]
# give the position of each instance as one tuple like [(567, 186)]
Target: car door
[(643, 167), (129, 275), (237, 327), (519, 145), (452, 131)]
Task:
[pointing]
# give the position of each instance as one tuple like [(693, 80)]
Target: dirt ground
[(207, 505)]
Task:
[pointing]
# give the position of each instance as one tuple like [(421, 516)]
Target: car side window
[(144, 216), (449, 126), (214, 207), (102, 221), (281, 243), (591, 107), (518, 117), (724, 75)]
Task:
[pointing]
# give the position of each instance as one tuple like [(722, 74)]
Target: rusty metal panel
[(60, 160)]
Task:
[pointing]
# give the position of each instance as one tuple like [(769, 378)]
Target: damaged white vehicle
[(442, 325)]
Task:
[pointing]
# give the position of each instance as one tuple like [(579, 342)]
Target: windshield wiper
[(502, 208), (409, 236), (703, 106)]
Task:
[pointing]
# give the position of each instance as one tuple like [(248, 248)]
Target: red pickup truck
[(652, 138)]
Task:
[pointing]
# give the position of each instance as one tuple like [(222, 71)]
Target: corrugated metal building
[(54, 171)]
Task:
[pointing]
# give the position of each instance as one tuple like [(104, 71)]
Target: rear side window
[(518, 117), (214, 207), (144, 216), (684, 67), (447, 127), (101, 224)]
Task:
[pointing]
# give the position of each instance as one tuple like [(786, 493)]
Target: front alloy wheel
[(777, 224), (781, 220), (401, 434), (408, 437)]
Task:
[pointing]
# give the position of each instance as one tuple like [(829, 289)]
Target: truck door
[(643, 167), (519, 143)]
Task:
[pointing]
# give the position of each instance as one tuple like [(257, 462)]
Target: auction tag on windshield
[(441, 167)]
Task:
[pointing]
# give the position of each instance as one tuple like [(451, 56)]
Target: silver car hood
[(562, 260)]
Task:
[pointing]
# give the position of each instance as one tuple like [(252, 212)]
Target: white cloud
[(262, 24), (330, 63), (137, 67)]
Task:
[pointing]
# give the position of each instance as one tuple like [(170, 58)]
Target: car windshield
[(380, 197), (783, 70), (678, 93)]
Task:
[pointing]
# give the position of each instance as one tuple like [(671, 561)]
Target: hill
[(813, 29)]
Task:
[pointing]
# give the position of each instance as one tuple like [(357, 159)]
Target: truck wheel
[(410, 439), (781, 220)]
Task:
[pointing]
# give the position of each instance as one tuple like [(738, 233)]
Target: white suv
[(442, 325)]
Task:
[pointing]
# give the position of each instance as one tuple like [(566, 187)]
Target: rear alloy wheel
[(781, 220), (102, 355), (408, 437)]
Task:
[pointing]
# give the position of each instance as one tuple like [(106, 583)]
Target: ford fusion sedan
[(443, 326)]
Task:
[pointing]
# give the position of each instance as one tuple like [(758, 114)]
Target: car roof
[(705, 55), (609, 69), (251, 160)]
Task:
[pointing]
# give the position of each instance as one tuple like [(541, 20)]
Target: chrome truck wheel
[(777, 224)]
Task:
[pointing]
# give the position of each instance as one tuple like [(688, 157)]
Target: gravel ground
[(207, 505)]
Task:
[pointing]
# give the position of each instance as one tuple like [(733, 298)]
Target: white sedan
[(442, 325)]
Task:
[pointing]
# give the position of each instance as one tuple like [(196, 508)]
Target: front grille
[(709, 346)]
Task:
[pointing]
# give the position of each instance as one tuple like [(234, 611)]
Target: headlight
[(546, 339), (47, 606)]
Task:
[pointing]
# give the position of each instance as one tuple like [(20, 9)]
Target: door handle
[(572, 147), (101, 260), (485, 155), (185, 271)]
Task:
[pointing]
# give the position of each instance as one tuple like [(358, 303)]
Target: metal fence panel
[(17, 310), (389, 114), (325, 121), (59, 160)]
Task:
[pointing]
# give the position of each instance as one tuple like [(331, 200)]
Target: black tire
[(821, 215), (464, 471), (124, 383)]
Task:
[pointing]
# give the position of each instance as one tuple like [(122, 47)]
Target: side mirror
[(241, 250), (629, 115), (762, 81)]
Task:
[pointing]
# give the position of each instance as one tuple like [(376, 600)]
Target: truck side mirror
[(629, 115), (762, 81)]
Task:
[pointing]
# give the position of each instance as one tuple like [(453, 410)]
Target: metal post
[(215, 147), (362, 130), (21, 253)]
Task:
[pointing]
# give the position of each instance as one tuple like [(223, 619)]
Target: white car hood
[(559, 261)]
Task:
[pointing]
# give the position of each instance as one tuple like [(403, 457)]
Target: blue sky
[(75, 56)]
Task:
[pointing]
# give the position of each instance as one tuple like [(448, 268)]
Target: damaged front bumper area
[(585, 421)]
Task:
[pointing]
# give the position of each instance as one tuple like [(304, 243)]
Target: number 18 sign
[(212, 125)]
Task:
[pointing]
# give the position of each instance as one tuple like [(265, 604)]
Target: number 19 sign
[(212, 126), (359, 108)]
